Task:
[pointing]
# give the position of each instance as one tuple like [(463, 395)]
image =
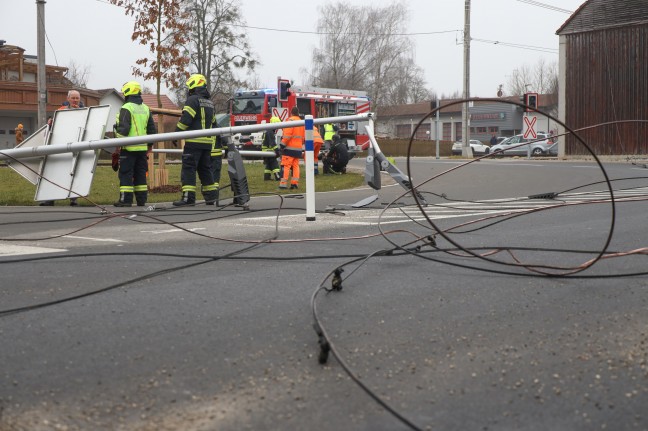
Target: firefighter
[(216, 156), (134, 119), (337, 158), (197, 114), (329, 131), (291, 144), (271, 165)]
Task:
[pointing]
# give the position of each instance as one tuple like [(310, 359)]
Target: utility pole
[(40, 72), (466, 151)]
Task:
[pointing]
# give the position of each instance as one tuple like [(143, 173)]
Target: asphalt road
[(201, 319)]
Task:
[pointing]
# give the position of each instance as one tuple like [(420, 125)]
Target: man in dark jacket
[(197, 114), (134, 119), (335, 161)]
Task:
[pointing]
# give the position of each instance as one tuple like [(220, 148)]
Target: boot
[(266, 176), (188, 198), (294, 186), (141, 198), (211, 198), (125, 200), (277, 177)]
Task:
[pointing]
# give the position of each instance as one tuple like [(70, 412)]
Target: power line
[(520, 46), (354, 33), (546, 6)]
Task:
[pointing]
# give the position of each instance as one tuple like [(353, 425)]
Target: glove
[(277, 152), (115, 161)]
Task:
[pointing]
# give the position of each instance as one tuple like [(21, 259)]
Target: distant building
[(604, 77), (486, 118), (18, 92)]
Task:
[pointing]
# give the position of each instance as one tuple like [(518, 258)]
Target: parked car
[(518, 145), (478, 148)]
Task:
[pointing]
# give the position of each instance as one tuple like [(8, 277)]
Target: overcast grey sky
[(97, 34)]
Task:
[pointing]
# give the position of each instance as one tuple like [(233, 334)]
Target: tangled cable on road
[(426, 239)]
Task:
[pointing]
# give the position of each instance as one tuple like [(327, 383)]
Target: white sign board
[(70, 174)]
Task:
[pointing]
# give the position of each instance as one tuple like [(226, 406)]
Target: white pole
[(17, 153), (309, 162)]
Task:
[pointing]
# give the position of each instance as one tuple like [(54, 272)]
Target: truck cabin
[(252, 107)]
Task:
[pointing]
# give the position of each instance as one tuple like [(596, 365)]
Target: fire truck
[(258, 106)]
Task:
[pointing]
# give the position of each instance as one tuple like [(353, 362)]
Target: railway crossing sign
[(281, 113), (529, 126)]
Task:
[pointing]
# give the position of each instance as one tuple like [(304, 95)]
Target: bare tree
[(77, 74), (217, 48), (162, 26), (364, 48), (542, 78)]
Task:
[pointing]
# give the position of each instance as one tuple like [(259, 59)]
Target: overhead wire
[(422, 246)]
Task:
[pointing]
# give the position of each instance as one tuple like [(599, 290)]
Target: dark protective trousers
[(196, 159), (133, 166), (217, 166)]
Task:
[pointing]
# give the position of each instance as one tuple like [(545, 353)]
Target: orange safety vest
[(293, 137), (317, 138)]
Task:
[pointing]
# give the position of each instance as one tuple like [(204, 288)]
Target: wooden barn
[(604, 78)]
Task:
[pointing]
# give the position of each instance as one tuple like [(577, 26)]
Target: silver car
[(518, 145)]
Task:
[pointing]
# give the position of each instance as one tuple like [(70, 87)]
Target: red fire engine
[(257, 106)]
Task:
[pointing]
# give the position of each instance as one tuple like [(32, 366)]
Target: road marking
[(155, 232), (93, 239), (21, 250)]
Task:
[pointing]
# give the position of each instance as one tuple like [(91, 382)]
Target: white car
[(478, 148)]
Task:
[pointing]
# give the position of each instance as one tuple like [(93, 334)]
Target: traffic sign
[(281, 113), (529, 127)]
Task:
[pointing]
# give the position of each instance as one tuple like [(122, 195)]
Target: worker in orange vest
[(291, 143), (317, 145)]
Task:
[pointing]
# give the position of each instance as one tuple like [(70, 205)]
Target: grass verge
[(16, 191)]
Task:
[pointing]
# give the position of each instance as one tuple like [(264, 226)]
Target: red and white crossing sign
[(529, 127), (281, 113)]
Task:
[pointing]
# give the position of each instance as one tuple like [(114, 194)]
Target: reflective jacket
[(269, 141), (134, 119), (217, 149), (329, 131), (198, 114), (293, 139)]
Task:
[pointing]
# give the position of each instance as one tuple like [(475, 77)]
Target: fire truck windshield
[(247, 105)]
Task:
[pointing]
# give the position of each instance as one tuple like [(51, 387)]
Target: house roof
[(151, 100), (105, 91), (602, 14)]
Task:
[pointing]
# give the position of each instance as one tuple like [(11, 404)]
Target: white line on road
[(172, 230), (93, 239), (20, 250)]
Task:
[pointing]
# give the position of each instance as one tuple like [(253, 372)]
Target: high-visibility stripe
[(190, 110)]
